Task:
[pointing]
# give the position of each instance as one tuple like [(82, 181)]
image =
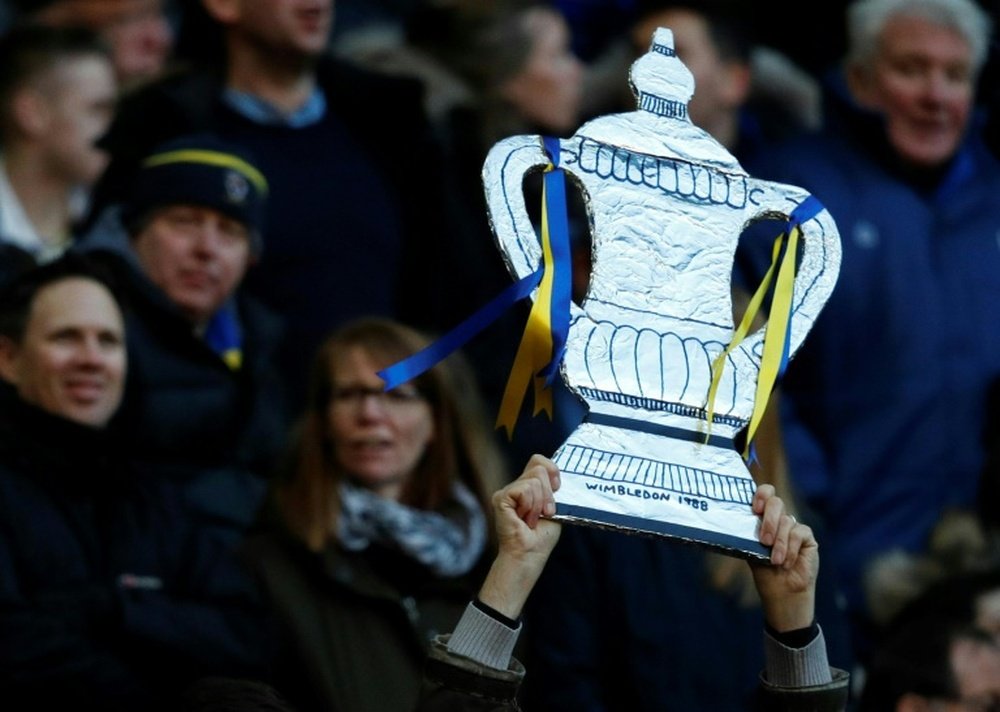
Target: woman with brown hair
[(377, 535)]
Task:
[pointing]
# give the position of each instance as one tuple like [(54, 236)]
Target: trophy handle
[(819, 261), (503, 180)]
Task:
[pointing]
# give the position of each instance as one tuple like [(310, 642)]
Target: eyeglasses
[(399, 398)]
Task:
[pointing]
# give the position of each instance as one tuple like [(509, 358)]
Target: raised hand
[(787, 585), (525, 536)]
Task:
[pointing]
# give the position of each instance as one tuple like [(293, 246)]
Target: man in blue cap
[(203, 403)]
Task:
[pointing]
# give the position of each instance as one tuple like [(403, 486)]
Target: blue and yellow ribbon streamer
[(777, 334), (544, 340)]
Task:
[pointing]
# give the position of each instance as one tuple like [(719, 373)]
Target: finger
[(760, 497), (529, 500), (780, 548), (774, 507), (547, 473), (800, 539)]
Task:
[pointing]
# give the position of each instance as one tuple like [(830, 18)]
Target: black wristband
[(798, 638), (495, 614)]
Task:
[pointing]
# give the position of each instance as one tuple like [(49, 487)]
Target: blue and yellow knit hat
[(201, 170)]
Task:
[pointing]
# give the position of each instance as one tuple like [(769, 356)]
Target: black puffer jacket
[(108, 600), (187, 417)]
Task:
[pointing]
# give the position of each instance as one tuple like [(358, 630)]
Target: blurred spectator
[(886, 400), (747, 95), (107, 600), (57, 95), (500, 69), (204, 407), (378, 535), (959, 549), (354, 222), (139, 33), (934, 664)]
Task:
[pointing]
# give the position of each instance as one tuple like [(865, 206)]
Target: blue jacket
[(885, 400), (108, 600)]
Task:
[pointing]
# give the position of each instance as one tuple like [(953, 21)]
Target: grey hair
[(866, 20)]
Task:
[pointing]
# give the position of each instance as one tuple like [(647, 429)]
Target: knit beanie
[(200, 170)]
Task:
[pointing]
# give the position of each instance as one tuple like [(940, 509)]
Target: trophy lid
[(660, 81), (662, 85)]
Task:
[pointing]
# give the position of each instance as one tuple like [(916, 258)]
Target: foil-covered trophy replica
[(667, 205)]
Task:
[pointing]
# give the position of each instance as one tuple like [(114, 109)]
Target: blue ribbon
[(412, 366), (803, 212), (555, 195)]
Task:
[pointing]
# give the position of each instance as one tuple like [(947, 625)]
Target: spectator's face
[(71, 361), (76, 102), (987, 610), (922, 80), (141, 38), (378, 438), (196, 255), (977, 676), (549, 88), (138, 32), (285, 27)]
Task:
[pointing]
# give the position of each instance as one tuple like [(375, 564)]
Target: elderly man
[(106, 600), (885, 402), (203, 406)]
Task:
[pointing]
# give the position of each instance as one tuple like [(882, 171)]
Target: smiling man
[(885, 401), (64, 353), (107, 597)]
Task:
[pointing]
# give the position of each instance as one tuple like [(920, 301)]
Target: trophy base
[(644, 481)]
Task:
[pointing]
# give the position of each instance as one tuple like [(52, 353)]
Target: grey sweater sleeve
[(483, 638), (796, 667)]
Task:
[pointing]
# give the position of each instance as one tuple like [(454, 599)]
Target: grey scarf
[(447, 546)]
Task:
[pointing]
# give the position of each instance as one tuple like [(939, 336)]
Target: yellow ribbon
[(775, 334), (233, 358), (535, 349)]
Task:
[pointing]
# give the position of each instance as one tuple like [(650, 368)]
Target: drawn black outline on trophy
[(667, 204)]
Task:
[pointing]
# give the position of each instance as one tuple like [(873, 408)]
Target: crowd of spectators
[(220, 218)]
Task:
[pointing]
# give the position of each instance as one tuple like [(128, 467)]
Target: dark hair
[(955, 598), (729, 22), (916, 659), (17, 297), (482, 42), (463, 448), (27, 50)]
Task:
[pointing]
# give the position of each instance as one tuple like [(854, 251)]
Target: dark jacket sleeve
[(453, 683), (57, 650), (831, 697)]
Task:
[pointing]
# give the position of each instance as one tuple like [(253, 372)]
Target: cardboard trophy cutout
[(667, 205)]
